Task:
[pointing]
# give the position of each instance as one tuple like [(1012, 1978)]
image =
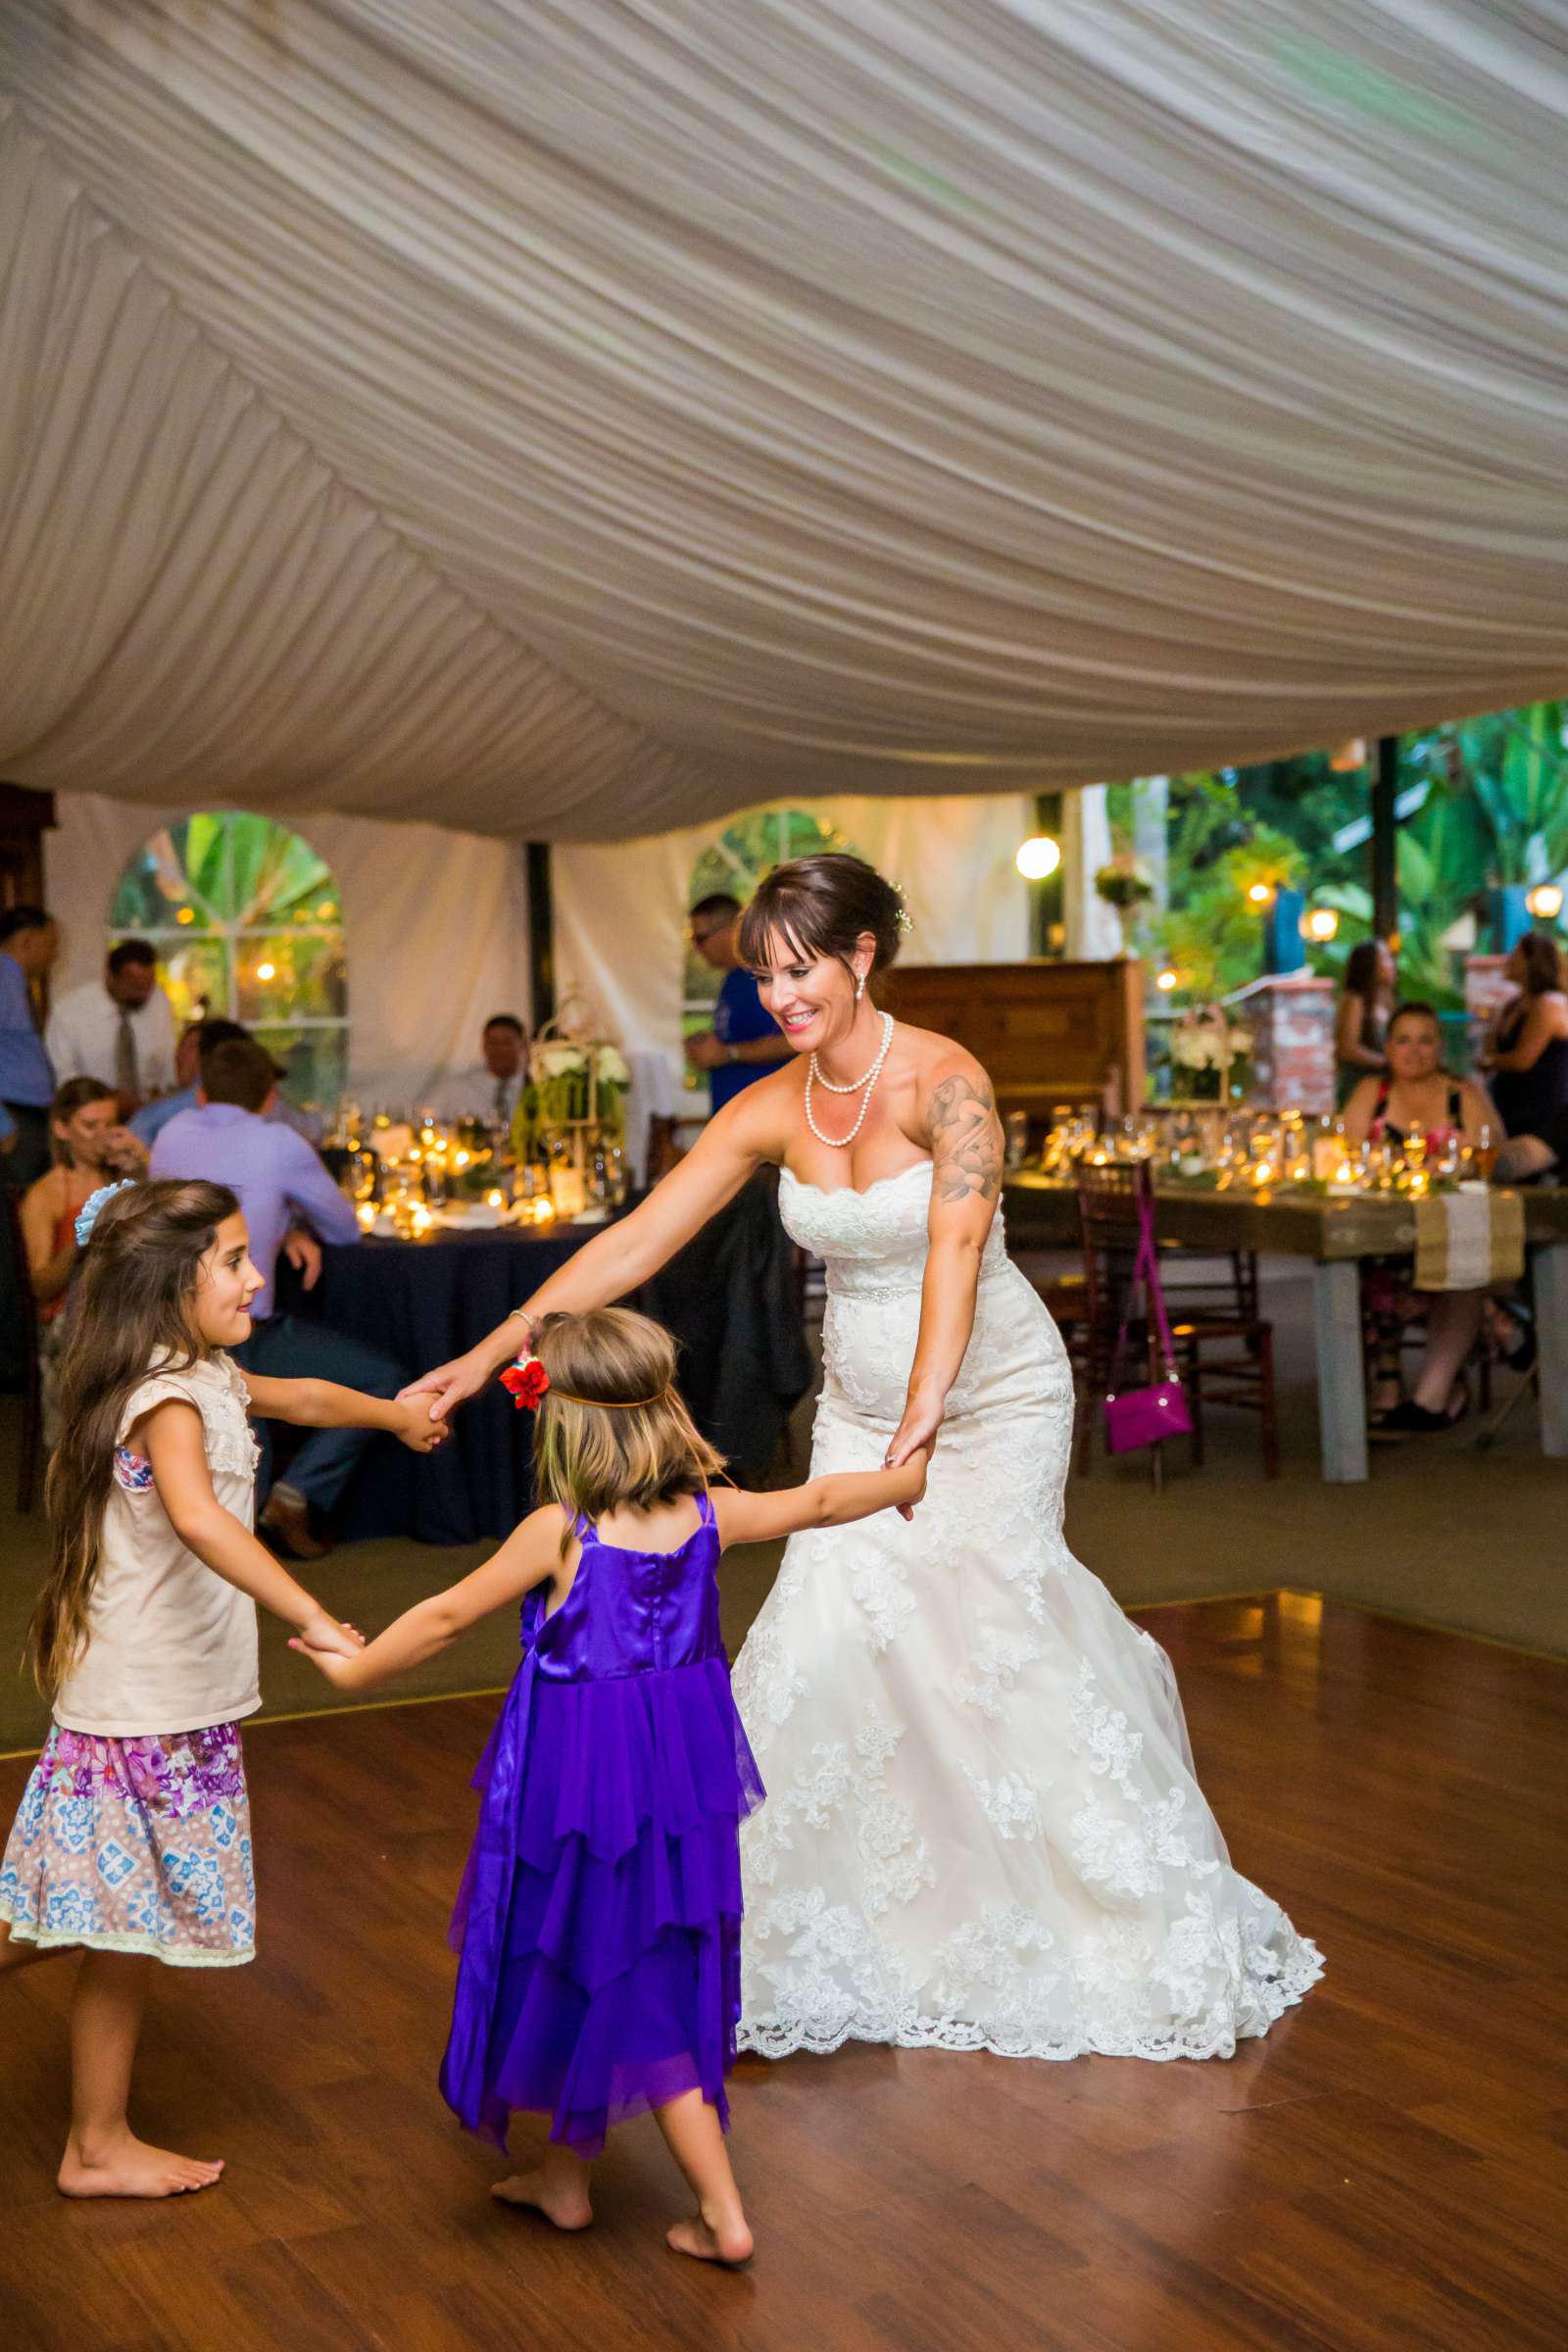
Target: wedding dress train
[(983, 1830)]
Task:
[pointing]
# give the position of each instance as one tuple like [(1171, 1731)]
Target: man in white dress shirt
[(489, 1092), (119, 1029)]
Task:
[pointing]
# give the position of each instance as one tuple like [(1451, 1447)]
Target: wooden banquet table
[(1335, 1233)]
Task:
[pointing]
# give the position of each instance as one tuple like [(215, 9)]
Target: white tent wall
[(560, 417), (620, 912), (437, 927)]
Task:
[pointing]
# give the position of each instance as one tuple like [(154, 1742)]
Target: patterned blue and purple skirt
[(136, 1845)]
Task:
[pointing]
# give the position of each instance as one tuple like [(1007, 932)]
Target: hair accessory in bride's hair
[(904, 918), (88, 1214), (526, 1382)]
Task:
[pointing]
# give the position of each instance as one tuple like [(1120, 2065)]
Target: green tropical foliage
[(1490, 810)]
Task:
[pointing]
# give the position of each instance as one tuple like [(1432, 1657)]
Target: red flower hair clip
[(526, 1382)]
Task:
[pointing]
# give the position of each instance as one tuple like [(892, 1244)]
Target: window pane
[(286, 976), (276, 876), (154, 890), (316, 1062), (195, 973)]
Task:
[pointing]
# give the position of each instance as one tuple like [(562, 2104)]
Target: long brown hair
[(74, 1095), (131, 1312), (612, 1427), (1541, 958)]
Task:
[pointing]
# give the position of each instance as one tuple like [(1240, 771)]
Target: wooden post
[(1384, 835), (540, 934)]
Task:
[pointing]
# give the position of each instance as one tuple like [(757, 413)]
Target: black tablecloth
[(425, 1302), (733, 1299), (729, 1298)]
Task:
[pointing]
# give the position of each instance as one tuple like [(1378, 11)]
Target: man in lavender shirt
[(282, 1183)]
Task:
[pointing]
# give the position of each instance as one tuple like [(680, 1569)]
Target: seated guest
[(229, 1139), (90, 1149), (488, 1091), (1526, 1158), (1416, 1093), (119, 1027), (195, 1039), (1361, 1025), (1526, 1056), (745, 1040)]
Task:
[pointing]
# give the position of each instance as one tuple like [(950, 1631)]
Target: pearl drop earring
[(860, 986)]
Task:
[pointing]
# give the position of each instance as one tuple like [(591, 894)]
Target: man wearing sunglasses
[(745, 1042)]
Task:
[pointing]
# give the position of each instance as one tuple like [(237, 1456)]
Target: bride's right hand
[(449, 1385)]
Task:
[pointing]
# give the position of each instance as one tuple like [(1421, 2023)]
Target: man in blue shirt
[(29, 941), (745, 1042), (280, 1181)]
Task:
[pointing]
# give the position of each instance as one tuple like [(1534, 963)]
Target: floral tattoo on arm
[(966, 1140)]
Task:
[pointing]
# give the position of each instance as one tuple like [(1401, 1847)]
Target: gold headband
[(609, 1404)]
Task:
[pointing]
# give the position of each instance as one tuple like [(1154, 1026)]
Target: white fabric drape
[(576, 421), (620, 912), (435, 926)]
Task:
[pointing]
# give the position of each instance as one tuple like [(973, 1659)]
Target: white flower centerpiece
[(1210, 1057), (575, 1099)]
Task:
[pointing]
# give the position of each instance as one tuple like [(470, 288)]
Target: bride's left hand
[(916, 1432)]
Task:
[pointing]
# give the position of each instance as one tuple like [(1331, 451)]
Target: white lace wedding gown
[(982, 1829)]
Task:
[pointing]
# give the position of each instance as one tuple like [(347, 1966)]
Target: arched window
[(736, 863), (248, 924)]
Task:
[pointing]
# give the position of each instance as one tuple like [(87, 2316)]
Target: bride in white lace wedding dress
[(982, 1829)]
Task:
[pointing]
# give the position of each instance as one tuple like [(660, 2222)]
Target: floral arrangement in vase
[(1125, 883), (577, 1083), (1211, 1059)]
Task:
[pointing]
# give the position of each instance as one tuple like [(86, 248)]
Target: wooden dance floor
[(1387, 2172)]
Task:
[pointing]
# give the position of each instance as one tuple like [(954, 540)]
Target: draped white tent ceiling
[(578, 418)]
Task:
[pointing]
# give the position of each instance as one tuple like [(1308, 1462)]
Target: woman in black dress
[(1527, 1055)]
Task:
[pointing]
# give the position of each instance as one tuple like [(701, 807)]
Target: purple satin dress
[(597, 1926)]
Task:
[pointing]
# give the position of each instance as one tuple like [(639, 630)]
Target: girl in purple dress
[(597, 1926)]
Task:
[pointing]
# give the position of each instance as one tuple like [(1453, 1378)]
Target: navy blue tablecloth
[(730, 1298), (425, 1302)]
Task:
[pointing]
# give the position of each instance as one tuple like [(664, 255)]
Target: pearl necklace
[(814, 1077)]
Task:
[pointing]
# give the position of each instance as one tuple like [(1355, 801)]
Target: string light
[(1165, 980), (1544, 902), (1261, 894), (1320, 923), (267, 971), (1038, 857)]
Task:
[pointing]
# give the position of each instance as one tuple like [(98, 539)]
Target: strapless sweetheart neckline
[(860, 1191)]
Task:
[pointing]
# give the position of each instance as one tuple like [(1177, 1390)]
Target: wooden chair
[(1222, 1356), (29, 1457)]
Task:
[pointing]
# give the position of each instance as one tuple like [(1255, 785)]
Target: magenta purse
[(1144, 1416)]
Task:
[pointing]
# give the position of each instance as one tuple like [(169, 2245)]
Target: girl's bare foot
[(127, 2167), (714, 2234), (562, 2201)]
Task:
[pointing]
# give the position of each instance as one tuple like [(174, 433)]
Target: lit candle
[(495, 1200)]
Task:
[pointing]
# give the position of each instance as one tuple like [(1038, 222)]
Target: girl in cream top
[(134, 1840)]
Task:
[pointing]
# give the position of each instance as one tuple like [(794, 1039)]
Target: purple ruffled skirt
[(598, 1924)]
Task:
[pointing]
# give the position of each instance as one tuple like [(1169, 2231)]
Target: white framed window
[(247, 921)]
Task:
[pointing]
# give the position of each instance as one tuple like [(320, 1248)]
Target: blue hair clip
[(94, 1201)]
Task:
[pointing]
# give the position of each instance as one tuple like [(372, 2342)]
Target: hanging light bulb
[(1320, 923), (1544, 902), (1165, 980), (1259, 894), (1038, 857)]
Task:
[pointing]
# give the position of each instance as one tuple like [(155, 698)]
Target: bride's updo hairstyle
[(823, 906)]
